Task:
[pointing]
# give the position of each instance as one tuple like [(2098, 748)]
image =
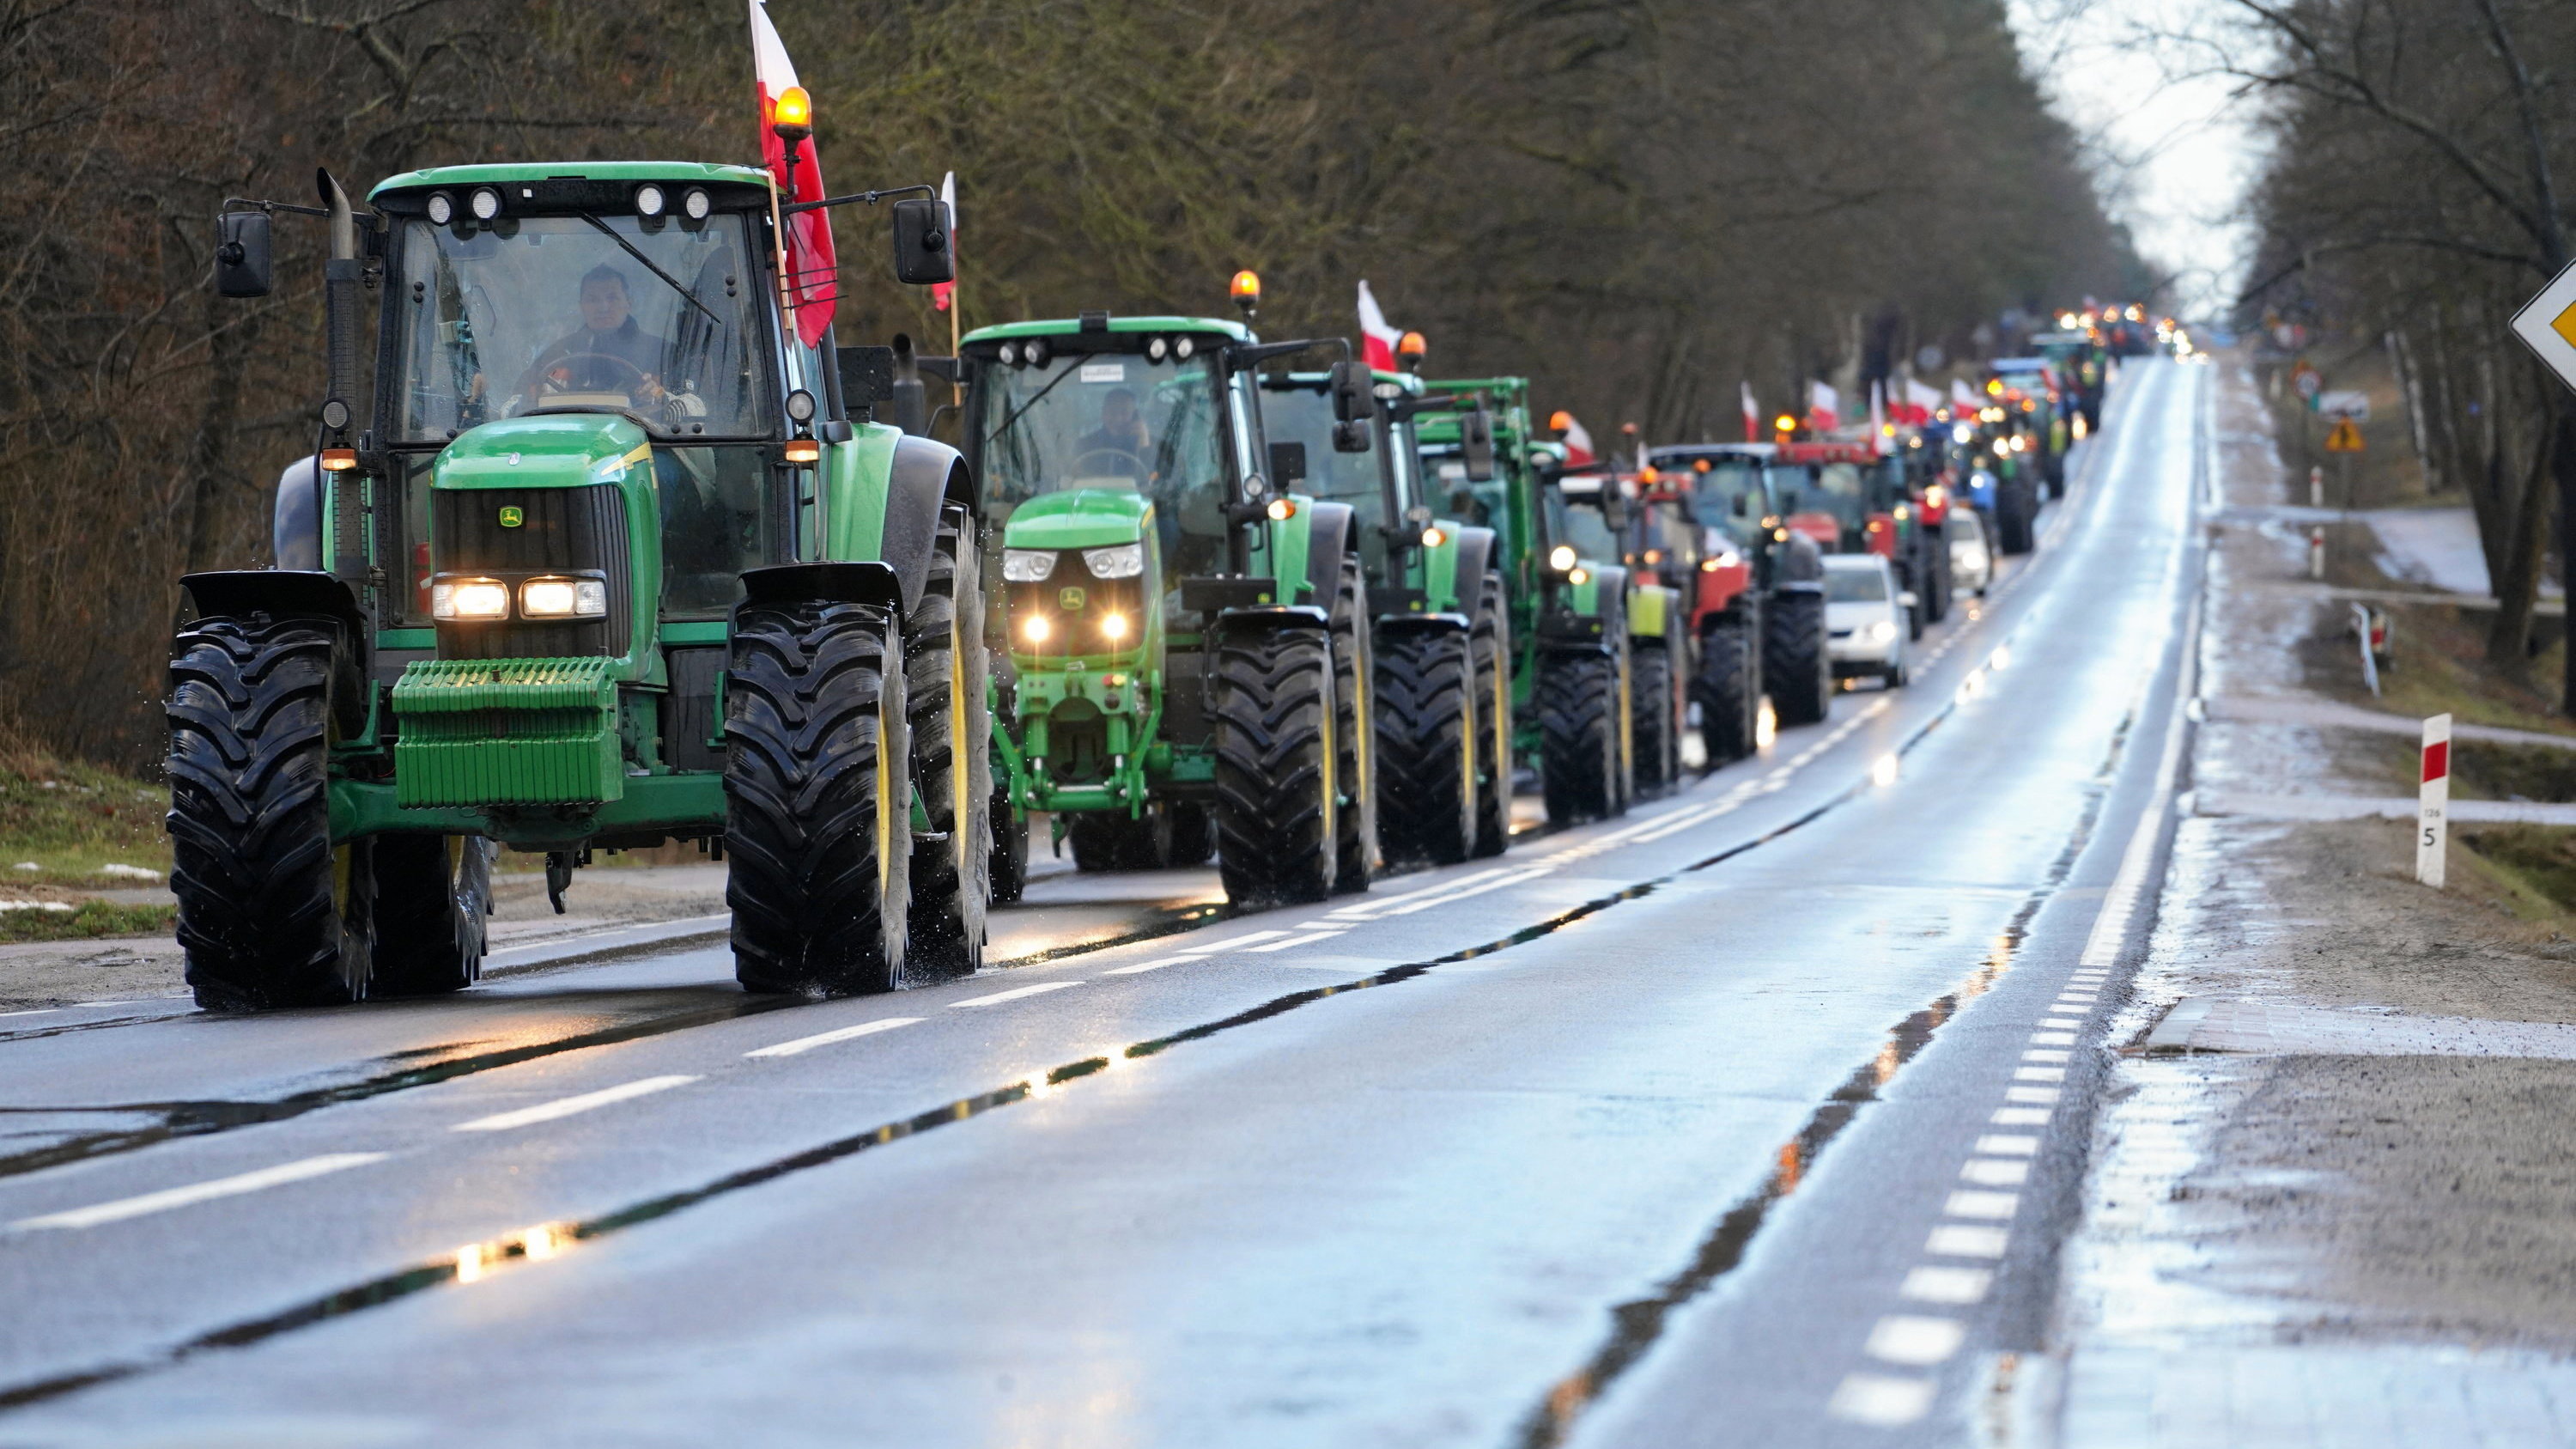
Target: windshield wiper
[(1018, 412), (632, 250)]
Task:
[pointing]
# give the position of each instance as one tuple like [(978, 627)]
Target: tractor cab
[(1374, 469)]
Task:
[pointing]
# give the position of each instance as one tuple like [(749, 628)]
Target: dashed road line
[(176, 1197), (805, 1044), (563, 1107), (1014, 994)]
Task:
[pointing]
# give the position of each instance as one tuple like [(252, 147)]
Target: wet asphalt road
[(1753, 1118)]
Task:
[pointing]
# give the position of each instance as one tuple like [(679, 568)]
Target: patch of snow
[(34, 906)]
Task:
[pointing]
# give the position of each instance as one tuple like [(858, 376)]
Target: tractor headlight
[(442, 208), (1118, 561), (1113, 627), (649, 200), (1035, 628), (563, 599), (485, 202), (469, 599), (1027, 565), (1561, 557), (697, 204)]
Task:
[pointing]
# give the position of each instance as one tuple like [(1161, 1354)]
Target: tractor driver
[(1117, 448), (607, 353)]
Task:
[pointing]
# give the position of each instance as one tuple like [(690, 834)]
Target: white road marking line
[(2006, 1144), (1914, 1341), (569, 1106), (1154, 965), (1310, 938), (826, 1038), (2046, 1054), (2035, 1096), (168, 1198), (39, 1011), (1014, 994), (1994, 1172), (1958, 1240), (1997, 1205), (2059, 1023), (1881, 1402), (1946, 1285), (2039, 1074), (2019, 1117), (1228, 944), (2052, 1038)]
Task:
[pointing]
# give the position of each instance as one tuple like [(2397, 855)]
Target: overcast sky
[(2170, 151)]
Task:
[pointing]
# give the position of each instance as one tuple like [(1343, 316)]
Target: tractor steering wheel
[(1112, 453)]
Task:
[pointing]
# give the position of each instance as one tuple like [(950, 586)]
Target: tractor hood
[(549, 450), (1081, 518)]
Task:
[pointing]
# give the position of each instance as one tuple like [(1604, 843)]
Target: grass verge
[(89, 921)]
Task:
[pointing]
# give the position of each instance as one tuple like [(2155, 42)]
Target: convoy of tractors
[(603, 545)]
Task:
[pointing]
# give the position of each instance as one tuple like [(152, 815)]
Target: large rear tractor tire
[(1490, 724), (2016, 509), (1426, 747), (818, 825), (433, 893), (1277, 811), (1355, 850), (271, 914), (1656, 702), (946, 671), (1794, 663), (1936, 580), (1728, 693), (1578, 720)]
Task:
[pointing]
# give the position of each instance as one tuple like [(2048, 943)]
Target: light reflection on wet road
[(1647, 1128)]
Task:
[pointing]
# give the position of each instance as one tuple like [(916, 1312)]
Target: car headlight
[(1118, 561), (469, 599), (1027, 565), (563, 599), (1882, 631)]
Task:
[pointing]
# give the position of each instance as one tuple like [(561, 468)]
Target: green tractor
[(599, 549), (1572, 662), (1188, 633), (1440, 634), (1599, 511)]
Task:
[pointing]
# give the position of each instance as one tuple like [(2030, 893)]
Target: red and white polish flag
[(943, 295), (813, 272), (1752, 416), (1963, 398), (1377, 335), (1824, 408), (1578, 444), (1919, 403)]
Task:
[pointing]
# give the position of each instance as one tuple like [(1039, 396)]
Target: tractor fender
[(1423, 624), (869, 582), (307, 592), (1651, 611), (1328, 542), (295, 525), (1265, 617), (1610, 591), (1801, 567), (1475, 557), (926, 477)]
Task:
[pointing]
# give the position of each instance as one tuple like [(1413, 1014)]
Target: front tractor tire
[(818, 818), (1489, 643), (1728, 691), (271, 914), (1355, 847), (1579, 734), (946, 670), (1277, 808), (1426, 747), (433, 893), (1794, 662), (1657, 731)]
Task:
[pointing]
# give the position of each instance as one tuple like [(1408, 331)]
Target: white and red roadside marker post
[(2433, 801)]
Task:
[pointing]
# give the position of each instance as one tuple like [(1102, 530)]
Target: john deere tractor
[(1572, 680), (1600, 514), (597, 551), (1189, 629), (1442, 694)]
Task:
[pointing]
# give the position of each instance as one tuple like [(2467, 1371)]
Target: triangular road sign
[(2547, 325), (2344, 439)]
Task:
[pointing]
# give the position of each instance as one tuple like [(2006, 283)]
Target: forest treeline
[(1641, 202), (2412, 202)]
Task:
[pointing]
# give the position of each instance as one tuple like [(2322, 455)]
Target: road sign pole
[(2433, 802)]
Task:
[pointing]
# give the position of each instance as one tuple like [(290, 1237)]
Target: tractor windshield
[(1574, 517), (1729, 495), (656, 318), (1296, 410), (1830, 488), (1114, 421)]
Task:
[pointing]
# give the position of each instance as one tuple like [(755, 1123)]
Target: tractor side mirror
[(1351, 437), (1476, 442), (923, 252), (1287, 465), (1788, 500), (1744, 505), (241, 254), (1354, 395), (867, 375)]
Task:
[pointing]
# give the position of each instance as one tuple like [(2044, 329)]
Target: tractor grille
[(562, 530)]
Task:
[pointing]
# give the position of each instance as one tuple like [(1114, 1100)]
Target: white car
[(1865, 618), (1972, 562)]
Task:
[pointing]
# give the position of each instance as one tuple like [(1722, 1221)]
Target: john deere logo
[(512, 518), (1069, 599)]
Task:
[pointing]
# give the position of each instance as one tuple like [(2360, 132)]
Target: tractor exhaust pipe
[(342, 277)]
